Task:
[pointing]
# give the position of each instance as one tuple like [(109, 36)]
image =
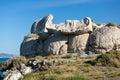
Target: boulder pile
[(73, 36), (18, 71)]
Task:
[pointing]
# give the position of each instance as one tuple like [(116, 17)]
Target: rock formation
[(24, 69), (30, 45), (13, 75), (55, 43), (18, 73), (41, 25), (78, 43), (104, 39), (73, 36)]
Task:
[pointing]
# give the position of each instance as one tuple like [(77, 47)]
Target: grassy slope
[(104, 67)]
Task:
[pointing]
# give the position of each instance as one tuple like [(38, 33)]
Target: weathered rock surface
[(104, 39), (24, 69), (29, 45), (78, 43), (13, 75), (54, 44), (40, 26), (77, 26), (63, 49), (73, 36)]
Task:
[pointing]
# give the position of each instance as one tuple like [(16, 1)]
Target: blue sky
[(17, 16)]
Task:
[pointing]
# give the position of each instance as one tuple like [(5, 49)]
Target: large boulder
[(77, 26), (40, 26), (24, 69), (72, 36), (13, 75), (54, 44), (31, 46), (77, 43), (104, 39)]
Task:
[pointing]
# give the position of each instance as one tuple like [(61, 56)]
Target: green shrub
[(52, 56), (28, 76), (13, 63), (39, 58), (111, 24), (20, 59), (111, 58), (17, 61), (68, 56), (50, 77), (59, 71)]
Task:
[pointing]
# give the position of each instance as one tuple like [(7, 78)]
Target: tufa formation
[(73, 36)]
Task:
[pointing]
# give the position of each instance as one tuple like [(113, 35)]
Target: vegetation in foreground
[(111, 58), (104, 67)]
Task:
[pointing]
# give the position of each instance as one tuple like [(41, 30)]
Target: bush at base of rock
[(111, 24), (111, 58)]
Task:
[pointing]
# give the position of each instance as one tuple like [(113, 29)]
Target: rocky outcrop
[(77, 26), (54, 44), (104, 39), (30, 45), (13, 75), (77, 43), (73, 36), (40, 26), (24, 69)]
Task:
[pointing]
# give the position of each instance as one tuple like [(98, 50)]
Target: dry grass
[(105, 67), (13, 63), (75, 72), (111, 58)]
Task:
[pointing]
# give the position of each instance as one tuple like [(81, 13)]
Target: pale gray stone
[(53, 44), (29, 45), (24, 69), (40, 26), (13, 75), (104, 39), (69, 37), (77, 43), (77, 26), (63, 49)]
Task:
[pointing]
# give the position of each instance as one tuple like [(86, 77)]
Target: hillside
[(64, 67), (5, 55)]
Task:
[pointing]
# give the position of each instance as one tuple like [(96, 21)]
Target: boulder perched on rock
[(40, 26), (73, 36), (77, 26), (104, 39)]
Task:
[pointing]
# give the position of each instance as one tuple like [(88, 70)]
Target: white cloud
[(56, 3), (38, 4)]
